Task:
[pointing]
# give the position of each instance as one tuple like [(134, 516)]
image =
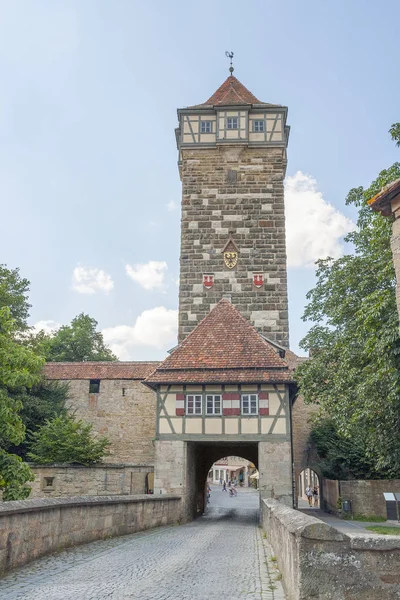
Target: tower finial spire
[(230, 56)]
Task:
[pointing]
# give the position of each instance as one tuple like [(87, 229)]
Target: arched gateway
[(227, 388), (224, 390), (227, 383)]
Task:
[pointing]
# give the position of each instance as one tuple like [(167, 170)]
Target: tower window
[(194, 405), (232, 123), (258, 126), (94, 386), (213, 405), (249, 404), (48, 482), (205, 126)]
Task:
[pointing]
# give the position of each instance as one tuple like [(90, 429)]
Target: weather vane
[(230, 55)]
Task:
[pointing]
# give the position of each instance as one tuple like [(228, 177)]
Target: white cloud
[(90, 281), (314, 228), (172, 206), (46, 326), (150, 275), (154, 328)]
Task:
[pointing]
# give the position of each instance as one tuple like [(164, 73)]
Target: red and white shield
[(258, 279), (208, 281)]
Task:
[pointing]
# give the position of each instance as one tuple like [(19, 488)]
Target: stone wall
[(96, 480), (301, 428), (395, 245), (275, 469), (367, 496), (124, 411), (330, 494), (317, 561), (238, 192), (31, 528)]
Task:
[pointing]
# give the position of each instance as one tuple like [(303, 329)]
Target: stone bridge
[(221, 554)]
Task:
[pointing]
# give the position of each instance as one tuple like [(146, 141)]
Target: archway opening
[(235, 462), (309, 489), (236, 470)]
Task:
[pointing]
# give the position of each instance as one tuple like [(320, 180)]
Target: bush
[(65, 439)]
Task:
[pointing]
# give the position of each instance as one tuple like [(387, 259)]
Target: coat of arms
[(258, 280), (208, 281), (230, 259), (230, 254)]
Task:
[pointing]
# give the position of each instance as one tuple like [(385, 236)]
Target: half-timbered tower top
[(232, 114)]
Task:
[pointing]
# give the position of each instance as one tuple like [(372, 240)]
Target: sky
[(89, 185)]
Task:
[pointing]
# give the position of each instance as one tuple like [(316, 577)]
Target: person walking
[(315, 495), (309, 495), (224, 486)]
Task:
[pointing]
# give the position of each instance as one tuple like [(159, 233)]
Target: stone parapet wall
[(317, 561), (96, 480), (330, 495), (32, 528), (301, 428), (367, 496)]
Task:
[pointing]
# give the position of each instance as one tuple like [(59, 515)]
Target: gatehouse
[(228, 387)]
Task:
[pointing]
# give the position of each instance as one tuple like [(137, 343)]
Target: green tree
[(354, 372), (395, 133), (66, 440), (78, 342), (20, 369), (39, 404), (338, 456), (13, 293)]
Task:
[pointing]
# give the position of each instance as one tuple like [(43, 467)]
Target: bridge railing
[(32, 528)]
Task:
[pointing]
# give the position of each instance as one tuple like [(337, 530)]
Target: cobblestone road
[(221, 555)]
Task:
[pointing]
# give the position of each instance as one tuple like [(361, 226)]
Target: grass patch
[(371, 519), (278, 577), (385, 530), (273, 558), (272, 587)]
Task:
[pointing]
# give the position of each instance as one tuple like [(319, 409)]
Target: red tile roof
[(99, 370), (223, 347), (191, 376), (381, 202), (231, 92)]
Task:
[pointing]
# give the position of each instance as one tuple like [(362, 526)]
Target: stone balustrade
[(318, 561), (32, 528)]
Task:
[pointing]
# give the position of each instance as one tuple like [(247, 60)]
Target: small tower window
[(194, 405), (48, 483), (258, 126), (232, 123), (94, 386), (205, 126), (249, 404), (213, 405)]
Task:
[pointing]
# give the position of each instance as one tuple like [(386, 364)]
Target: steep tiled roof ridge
[(232, 92), (224, 341), (231, 83), (99, 370)]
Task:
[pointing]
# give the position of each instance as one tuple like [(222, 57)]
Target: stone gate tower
[(232, 162)]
